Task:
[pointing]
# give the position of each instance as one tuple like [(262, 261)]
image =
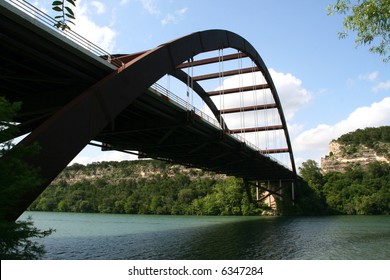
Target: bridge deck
[(46, 70), (160, 128), (71, 95), (41, 67)]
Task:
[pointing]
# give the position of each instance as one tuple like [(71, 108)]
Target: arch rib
[(70, 129)]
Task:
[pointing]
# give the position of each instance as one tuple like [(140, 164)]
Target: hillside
[(355, 177), (358, 148), (360, 184), (145, 187)]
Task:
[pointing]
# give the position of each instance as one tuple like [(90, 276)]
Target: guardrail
[(160, 90), (48, 21)]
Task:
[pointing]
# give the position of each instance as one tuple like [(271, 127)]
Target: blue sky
[(327, 86)]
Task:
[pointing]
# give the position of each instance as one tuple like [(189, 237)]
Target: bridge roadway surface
[(49, 74)]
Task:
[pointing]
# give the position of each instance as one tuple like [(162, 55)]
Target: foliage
[(377, 138), (370, 19), (15, 238), (310, 193), (145, 187), (14, 172), (368, 136), (361, 188), (7, 130), (356, 191), (311, 173), (66, 13)]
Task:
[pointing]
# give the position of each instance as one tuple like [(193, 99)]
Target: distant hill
[(358, 148), (355, 177), (145, 187)]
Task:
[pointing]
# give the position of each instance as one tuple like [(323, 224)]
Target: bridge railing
[(48, 21), (160, 90)]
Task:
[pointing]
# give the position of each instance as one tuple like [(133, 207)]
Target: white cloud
[(382, 86), (169, 18), (292, 94), (369, 76), (315, 141), (151, 7), (174, 18), (99, 7), (293, 97), (102, 36), (181, 11)]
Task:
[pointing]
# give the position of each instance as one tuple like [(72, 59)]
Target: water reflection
[(258, 239), (271, 238)]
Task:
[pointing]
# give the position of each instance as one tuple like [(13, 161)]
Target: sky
[(327, 85)]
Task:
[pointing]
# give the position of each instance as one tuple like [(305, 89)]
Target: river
[(113, 236)]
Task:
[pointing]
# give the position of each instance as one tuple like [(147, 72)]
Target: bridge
[(73, 94)]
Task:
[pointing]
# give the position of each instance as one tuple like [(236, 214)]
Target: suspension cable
[(221, 86), (265, 101), (192, 81), (188, 84), (241, 94), (256, 111)]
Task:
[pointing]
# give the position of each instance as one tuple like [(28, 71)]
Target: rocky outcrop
[(343, 156)]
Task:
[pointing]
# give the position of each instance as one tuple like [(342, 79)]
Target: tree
[(311, 173), (66, 13), (370, 19), (15, 237)]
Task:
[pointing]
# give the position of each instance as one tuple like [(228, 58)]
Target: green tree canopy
[(15, 237), (311, 173), (370, 19)]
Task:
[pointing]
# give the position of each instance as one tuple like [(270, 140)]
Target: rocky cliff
[(342, 156)]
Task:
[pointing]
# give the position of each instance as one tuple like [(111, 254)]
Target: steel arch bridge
[(70, 100)]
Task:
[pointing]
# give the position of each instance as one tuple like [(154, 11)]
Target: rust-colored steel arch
[(69, 130)]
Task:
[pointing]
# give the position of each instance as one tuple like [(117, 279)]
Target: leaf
[(58, 9), (69, 11), (71, 2), (65, 26), (57, 3), (70, 16)]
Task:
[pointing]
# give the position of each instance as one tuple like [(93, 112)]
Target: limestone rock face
[(341, 156)]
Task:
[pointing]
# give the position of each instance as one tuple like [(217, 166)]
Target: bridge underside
[(71, 97), (158, 128)]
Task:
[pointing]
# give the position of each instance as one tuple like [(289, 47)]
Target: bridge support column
[(61, 137), (248, 192), (293, 193), (280, 189)]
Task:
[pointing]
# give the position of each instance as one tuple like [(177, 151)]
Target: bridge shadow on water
[(263, 238), (266, 238)]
